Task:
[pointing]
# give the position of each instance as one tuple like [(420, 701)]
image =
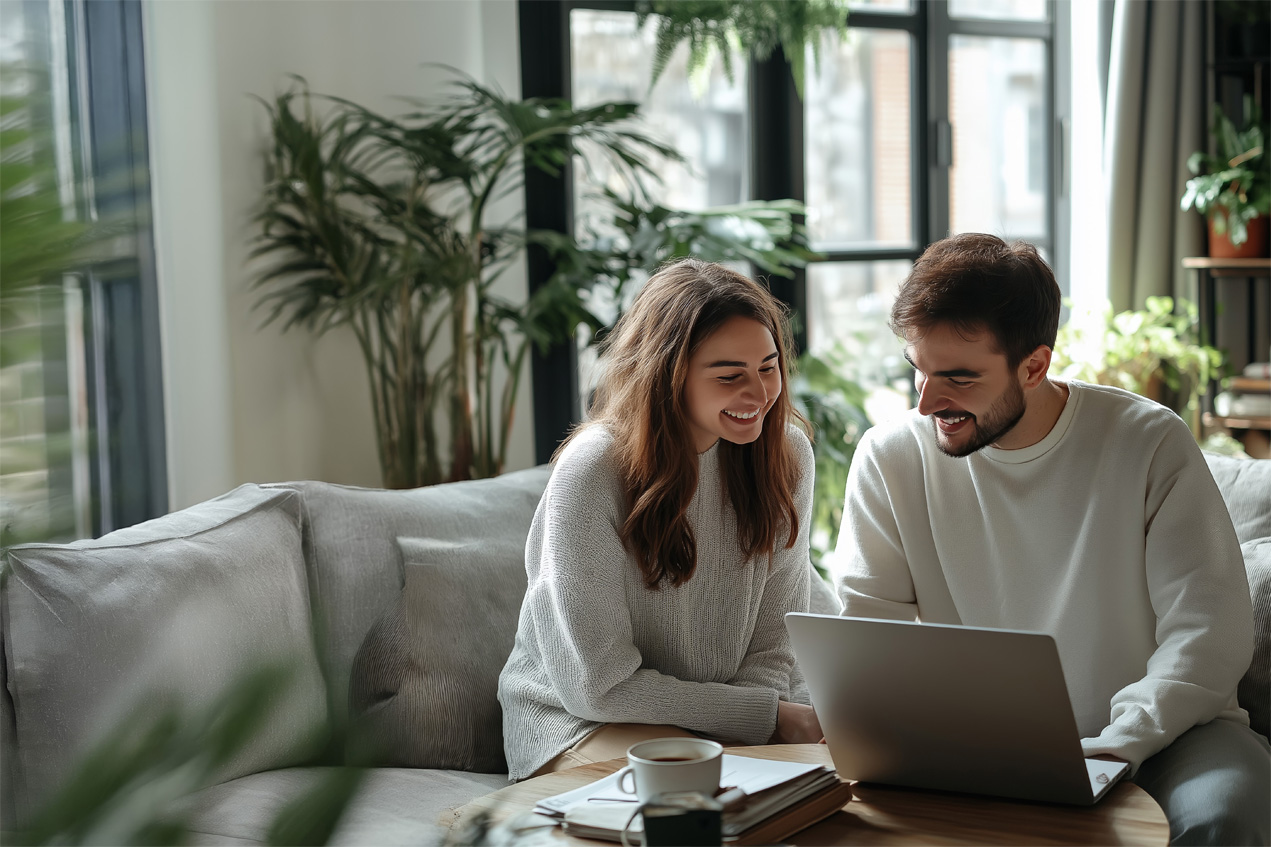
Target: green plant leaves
[(129, 788), (41, 243), (835, 406), (313, 816), (1133, 349), (757, 27), (384, 225), (1232, 187)]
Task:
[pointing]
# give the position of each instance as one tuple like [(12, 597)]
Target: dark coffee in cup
[(667, 765)]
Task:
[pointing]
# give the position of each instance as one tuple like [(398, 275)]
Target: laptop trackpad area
[(1104, 774)]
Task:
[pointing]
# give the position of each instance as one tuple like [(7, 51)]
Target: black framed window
[(89, 428), (930, 118)]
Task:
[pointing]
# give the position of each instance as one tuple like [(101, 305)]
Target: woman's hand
[(796, 724)]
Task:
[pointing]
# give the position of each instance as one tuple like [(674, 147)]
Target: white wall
[(247, 403)]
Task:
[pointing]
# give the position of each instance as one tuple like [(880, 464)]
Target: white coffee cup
[(664, 765)]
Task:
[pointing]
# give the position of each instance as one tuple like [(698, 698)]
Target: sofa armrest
[(1254, 693), (1245, 485), (8, 748)]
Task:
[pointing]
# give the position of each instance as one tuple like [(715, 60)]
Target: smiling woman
[(734, 379), (671, 541)]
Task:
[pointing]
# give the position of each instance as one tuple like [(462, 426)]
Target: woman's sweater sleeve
[(769, 661), (581, 623)]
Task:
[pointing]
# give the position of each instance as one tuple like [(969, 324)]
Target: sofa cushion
[(424, 691), (1246, 488), (8, 744), (1255, 689), (393, 806), (166, 613), (822, 600), (355, 568)]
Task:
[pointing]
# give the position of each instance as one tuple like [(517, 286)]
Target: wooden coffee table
[(887, 816)]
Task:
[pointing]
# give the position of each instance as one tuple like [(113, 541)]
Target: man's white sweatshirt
[(1109, 534)]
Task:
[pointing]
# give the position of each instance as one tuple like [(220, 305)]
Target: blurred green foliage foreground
[(128, 790), (43, 238)]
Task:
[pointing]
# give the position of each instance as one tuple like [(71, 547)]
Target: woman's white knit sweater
[(595, 646)]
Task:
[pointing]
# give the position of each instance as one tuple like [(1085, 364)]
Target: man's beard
[(1000, 419)]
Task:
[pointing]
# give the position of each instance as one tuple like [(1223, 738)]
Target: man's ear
[(1032, 371)]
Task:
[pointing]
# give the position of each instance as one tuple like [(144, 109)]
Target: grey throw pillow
[(172, 610), (350, 543), (425, 682), (1255, 689), (1246, 489)]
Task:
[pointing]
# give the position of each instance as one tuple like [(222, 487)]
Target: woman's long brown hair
[(641, 402)]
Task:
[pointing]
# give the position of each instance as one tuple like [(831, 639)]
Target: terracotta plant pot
[(1255, 247)]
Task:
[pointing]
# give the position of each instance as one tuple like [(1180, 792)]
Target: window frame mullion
[(123, 342), (1060, 137), (777, 139), (938, 127), (777, 172)]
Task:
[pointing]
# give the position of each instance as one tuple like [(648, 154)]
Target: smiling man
[(1008, 499)]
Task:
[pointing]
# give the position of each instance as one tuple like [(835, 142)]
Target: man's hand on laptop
[(796, 724), (1106, 757)]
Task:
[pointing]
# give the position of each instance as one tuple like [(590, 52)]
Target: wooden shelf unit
[(1249, 385), (1238, 422), (1242, 344)]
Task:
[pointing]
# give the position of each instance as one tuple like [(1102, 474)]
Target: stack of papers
[(753, 792)]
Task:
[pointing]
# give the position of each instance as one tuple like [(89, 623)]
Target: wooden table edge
[(886, 815)]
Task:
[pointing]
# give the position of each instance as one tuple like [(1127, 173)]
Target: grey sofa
[(1246, 489), (399, 606), (313, 575)]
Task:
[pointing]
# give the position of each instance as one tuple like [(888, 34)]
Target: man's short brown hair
[(976, 282)]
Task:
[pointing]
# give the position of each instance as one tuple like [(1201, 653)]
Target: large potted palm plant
[(386, 225)]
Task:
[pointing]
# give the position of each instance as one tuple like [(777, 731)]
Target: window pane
[(997, 107), (857, 135), (1013, 10), (703, 117), (40, 397), (904, 6), (849, 304), (848, 307)]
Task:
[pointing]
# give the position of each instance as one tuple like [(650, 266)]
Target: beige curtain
[(1155, 120)]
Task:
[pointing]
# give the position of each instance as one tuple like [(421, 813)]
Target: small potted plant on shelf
[(1232, 188), (1155, 352)]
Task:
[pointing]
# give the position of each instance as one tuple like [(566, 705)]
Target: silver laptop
[(956, 708)]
